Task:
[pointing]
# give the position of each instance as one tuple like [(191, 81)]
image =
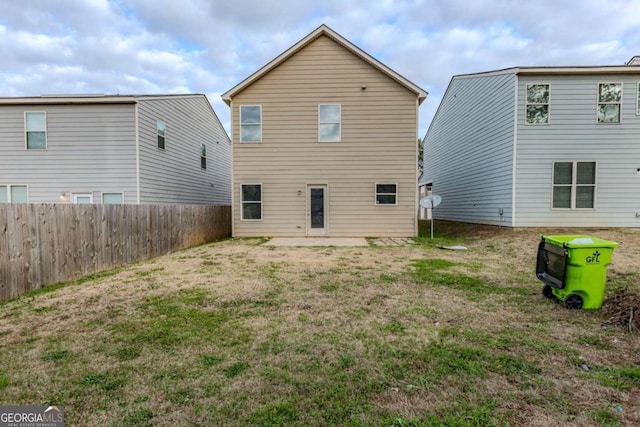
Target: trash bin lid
[(579, 241)]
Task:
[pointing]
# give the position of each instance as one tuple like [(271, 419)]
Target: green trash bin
[(573, 269)]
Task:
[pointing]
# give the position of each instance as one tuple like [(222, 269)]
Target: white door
[(83, 198), (317, 210)]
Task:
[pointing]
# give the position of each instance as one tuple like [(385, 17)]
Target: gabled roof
[(324, 30), (630, 68)]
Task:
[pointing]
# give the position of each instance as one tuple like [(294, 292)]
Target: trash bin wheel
[(573, 302), (547, 291)]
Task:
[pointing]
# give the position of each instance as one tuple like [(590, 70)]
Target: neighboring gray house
[(538, 146), (140, 149)]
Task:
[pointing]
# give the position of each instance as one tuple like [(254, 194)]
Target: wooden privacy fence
[(42, 244)]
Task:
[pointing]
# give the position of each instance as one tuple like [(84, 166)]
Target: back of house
[(324, 144), (539, 146)]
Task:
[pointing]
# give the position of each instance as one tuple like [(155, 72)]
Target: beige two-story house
[(324, 144)]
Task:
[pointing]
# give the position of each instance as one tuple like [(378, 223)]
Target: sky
[(208, 46)]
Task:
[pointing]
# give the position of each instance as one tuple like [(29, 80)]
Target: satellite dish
[(430, 202)]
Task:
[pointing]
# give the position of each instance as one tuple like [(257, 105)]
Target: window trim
[(242, 202), (121, 193), (548, 104), (619, 103), (638, 99), (163, 136), (203, 156), (339, 123), (376, 194), (74, 195), (251, 124), (574, 185), (26, 131), (8, 186)]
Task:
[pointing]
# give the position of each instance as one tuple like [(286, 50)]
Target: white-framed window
[(35, 128), (250, 123), (14, 194), (574, 185), (81, 198), (638, 100), (609, 102), (251, 202), (537, 104), (386, 194), (203, 155), (161, 130), (112, 198), (329, 122)]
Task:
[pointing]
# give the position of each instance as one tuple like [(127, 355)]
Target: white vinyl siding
[(537, 108), (14, 194), (35, 125), (469, 149), (176, 175), (112, 198), (574, 135), (329, 122), (250, 123), (251, 202), (386, 194), (609, 102), (638, 99)]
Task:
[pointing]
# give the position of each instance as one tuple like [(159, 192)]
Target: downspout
[(137, 131), (515, 152), (416, 208), (233, 185)]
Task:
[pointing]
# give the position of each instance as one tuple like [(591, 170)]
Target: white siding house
[(113, 149), (538, 146)]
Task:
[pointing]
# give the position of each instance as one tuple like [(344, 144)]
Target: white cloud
[(205, 46)]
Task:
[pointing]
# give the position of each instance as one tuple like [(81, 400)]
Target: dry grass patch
[(234, 333)]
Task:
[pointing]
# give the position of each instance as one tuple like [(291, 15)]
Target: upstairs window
[(574, 185), (609, 100), (13, 194), (251, 199), (203, 156), (329, 122), (537, 104), (161, 130), (386, 194), (35, 124), (250, 123)]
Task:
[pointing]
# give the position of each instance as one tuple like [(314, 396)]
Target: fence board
[(42, 244)]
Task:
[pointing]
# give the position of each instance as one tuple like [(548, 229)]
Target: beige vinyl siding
[(378, 144), (574, 135), (469, 150), (174, 175), (90, 149)]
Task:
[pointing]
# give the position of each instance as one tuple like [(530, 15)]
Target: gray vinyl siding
[(469, 150), (174, 175), (378, 145), (90, 149), (574, 135)]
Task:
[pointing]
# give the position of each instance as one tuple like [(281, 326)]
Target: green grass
[(398, 336)]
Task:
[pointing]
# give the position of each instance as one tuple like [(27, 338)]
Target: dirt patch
[(623, 309)]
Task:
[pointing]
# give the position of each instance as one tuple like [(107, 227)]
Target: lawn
[(234, 333)]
